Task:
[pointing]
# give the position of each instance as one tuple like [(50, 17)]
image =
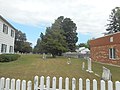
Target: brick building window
[(112, 53)]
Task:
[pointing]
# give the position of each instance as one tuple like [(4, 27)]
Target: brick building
[(106, 49)]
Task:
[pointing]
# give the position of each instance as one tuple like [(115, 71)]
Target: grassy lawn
[(30, 65)]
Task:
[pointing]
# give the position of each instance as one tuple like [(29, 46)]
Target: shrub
[(8, 57)]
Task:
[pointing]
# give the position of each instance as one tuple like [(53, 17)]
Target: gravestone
[(51, 55), (69, 61), (44, 56), (106, 75), (89, 65), (83, 65)]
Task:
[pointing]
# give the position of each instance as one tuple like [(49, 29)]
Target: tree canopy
[(58, 38), (114, 19), (21, 43), (86, 45), (70, 28)]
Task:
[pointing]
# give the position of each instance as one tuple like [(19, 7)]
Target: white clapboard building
[(7, 36)]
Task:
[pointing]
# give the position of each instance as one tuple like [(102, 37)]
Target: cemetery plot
[(29, 66)]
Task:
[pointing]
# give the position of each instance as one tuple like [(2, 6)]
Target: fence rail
[(41, 84)]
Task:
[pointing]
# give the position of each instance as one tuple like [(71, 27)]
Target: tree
[(70, 33), (58, 38), (82, 45), (39, 48), (20, 38), (36, 48), (55, 43), (54, 40), (86, 45), (114, 19), (26, 47), (21, 44)]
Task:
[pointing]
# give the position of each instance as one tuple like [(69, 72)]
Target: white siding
[(6, 38)]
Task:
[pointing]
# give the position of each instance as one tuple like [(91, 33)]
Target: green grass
[(29, 66)]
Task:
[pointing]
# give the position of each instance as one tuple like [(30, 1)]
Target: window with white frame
[(11, 49), (112, 53), (5, 29), (12, 33), (3, 48)]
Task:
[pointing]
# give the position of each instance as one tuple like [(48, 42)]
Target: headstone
[(83, 65), (51, 55), (69, 61), (106, 75), (44, 56), (89, 65)]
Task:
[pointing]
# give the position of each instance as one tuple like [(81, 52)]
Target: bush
[(8, 57)]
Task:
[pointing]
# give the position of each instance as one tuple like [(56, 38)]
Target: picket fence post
[(80, 84), (12, 84), (73, 84), (60, 83), (48, 83), (117, 85), (7, 84), (87, 84), (94, 84), (18, 84), (102, 83), (67, 83), (2, 81), (29, 85), (23, 85), (41, 82), (110, 85), (36, 83), (54, 83)]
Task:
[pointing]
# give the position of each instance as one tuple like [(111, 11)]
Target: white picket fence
[(7, 84), (43, 86), (39, 84)]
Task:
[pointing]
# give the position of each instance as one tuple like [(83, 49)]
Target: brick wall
[(99, 49), (101, 54)]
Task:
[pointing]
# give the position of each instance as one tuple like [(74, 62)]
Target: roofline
[(7, 22), (106, 35)]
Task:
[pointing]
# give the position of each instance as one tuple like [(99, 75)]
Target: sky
[(33, 16)]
